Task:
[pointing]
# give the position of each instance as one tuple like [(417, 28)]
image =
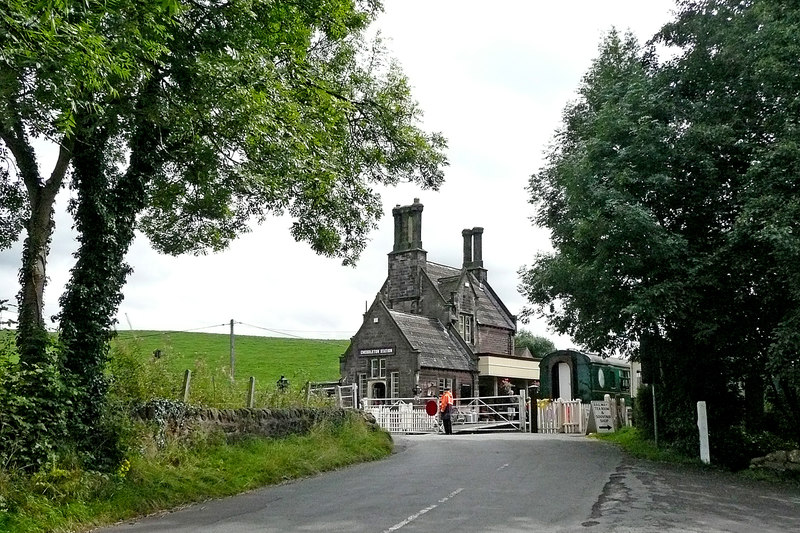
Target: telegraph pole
[(233, 353)]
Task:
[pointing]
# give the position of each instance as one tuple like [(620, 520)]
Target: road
[(497, 483)]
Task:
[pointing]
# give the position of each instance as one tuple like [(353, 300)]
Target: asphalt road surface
[(505, 482)]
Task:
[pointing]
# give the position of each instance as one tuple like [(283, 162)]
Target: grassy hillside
[(265, 358), (138, 375)]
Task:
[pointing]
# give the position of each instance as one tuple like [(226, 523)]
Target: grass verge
[(64, 499), (632, 441)]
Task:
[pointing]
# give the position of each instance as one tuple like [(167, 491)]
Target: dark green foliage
[(66, 498), (189, 122), (672, 197), (32, 441), (538, 346)]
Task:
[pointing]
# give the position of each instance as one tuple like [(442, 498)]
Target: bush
[(33, 425)]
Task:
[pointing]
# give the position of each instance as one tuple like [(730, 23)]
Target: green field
[(265, 358), (208, 356)]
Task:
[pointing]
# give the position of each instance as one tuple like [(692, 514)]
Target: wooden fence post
[(251, 393), (187, 378)]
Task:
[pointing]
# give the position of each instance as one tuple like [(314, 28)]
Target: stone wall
[(495, 340), (781, 461), (177, 420)]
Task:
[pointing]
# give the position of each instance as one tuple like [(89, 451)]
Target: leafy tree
[(537, 345), (189, 120), (671, 197)]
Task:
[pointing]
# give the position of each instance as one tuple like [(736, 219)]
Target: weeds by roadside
[(65, 498), (632, 441)]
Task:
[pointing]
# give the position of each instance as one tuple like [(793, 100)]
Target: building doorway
[(562, 377), (377, 389), (465, 391)]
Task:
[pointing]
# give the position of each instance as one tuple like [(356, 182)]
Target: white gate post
[(522, 411), (702, 425)]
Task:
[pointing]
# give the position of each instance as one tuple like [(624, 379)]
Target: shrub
[(33, 425)]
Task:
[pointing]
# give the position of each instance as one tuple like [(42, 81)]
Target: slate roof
[(437, 347), (523, 351), (437, 271), (490, 310), (448, 286)]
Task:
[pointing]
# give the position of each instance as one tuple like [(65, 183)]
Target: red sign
[(431, 408)]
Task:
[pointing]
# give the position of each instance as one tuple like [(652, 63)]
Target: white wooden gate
[(560, 416), (408, 415)]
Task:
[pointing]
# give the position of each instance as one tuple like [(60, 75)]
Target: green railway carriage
[(572, 375)]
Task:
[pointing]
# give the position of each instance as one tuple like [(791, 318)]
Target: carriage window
[(625, 381)]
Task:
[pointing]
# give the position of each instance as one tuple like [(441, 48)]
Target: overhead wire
[(156, 334), (284, 332)]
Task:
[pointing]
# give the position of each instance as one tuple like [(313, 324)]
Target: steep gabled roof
[(447, 286), (491, 311), (437, 346), (437, 271), (523, 351)]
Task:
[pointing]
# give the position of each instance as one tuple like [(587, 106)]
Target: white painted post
[(522, 411), (702, 425)]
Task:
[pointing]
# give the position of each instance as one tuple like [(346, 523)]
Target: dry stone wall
[(176, 420), (781, 461)]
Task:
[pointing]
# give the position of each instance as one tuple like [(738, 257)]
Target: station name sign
[(376, 351)]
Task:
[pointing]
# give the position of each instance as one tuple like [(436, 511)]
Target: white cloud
[(493, 77)]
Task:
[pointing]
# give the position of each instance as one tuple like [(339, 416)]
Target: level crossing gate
[(408, 415)]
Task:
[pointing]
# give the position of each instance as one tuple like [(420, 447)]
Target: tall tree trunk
[(37, 428), (105, 218), (31, 333)]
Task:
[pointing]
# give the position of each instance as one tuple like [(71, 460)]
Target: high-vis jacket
[(445, 401)]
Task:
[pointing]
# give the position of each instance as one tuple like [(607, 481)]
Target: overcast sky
[(493, 77)]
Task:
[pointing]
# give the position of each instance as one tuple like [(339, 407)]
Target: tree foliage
[(537, 345), (672, 198), (189, 121)]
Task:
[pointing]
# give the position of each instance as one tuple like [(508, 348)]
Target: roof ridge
[(411, 314), (443, 265)]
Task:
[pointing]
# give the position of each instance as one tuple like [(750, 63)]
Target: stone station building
[(433, 326)]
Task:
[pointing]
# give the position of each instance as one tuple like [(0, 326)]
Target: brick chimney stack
[(473, 252), (467, 234), (407, 259), (408, 226)]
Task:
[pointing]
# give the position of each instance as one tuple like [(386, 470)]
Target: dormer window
[(465, 327)]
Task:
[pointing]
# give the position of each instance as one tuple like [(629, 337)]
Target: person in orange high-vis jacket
[(445, 407)]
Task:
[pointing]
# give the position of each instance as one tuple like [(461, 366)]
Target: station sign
[(600, 420), (376, 351)]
